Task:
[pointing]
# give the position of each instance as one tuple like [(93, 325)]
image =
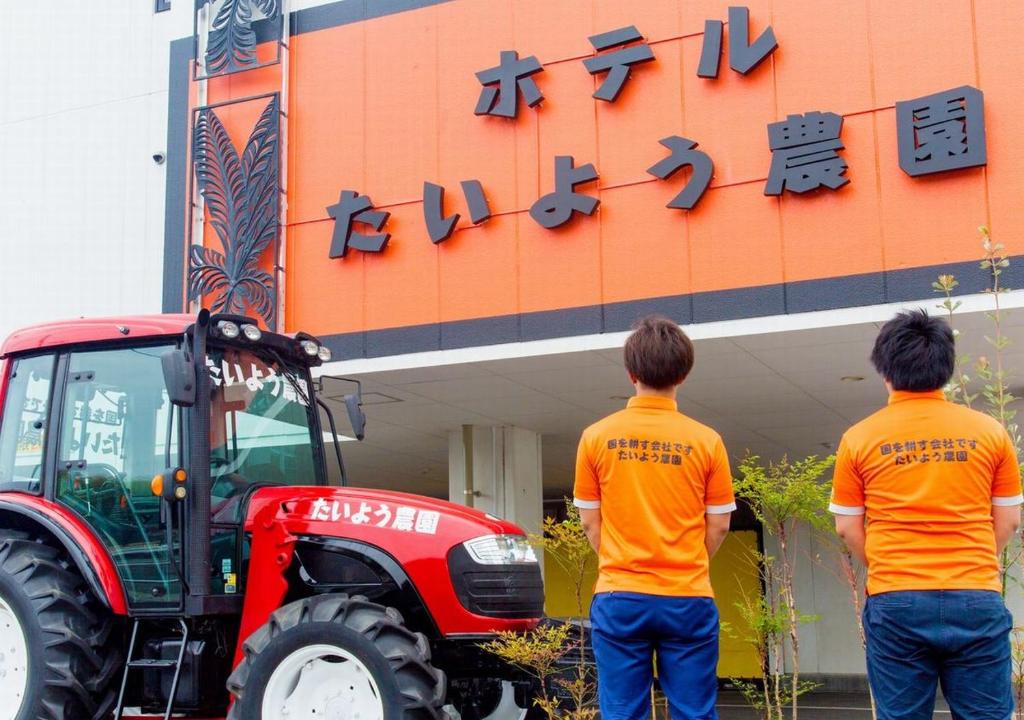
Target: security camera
[(159, 158)]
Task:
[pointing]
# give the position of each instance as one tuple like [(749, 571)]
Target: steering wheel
[(105, 486)]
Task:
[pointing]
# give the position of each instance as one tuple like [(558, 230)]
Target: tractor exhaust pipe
[(199, 568)]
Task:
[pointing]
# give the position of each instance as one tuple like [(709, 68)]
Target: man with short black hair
[(655, 496), (927, 494)]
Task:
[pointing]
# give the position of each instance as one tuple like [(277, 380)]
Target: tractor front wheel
[(335, 656), (56, 658)]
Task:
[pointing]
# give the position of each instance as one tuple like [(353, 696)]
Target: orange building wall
[(382, 105)]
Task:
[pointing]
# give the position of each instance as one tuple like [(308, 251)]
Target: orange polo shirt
[(654, 473), (927, 472)]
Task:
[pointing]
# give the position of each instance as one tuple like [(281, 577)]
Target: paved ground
[(815, 706)]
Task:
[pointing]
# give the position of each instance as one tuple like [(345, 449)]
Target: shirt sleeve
[(847, 484), (587, 491), (718, 496), (1006, 488)]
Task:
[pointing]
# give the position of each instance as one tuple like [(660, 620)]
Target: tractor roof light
[(252, 333), (228, 329), (310, 348), (324, 353)]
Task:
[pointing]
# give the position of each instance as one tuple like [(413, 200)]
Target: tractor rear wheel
[(336, 657), (56, 658)]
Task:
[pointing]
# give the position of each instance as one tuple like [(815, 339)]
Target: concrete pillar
[(497, 470)]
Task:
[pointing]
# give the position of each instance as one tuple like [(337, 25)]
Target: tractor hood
[(424, 536), (379, 517)]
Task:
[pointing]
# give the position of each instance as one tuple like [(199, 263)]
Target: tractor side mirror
[(356, 416), (179, 377)]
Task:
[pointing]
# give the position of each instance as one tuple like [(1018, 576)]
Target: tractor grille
[(512, 592)]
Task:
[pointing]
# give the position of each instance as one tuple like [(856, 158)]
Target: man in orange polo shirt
[(655, 495), (927, 494)]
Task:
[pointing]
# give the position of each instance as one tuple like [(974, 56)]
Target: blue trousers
[(956, 638), (629, 629)]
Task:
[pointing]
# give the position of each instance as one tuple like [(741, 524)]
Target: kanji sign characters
[(804, 153), (940, 132)]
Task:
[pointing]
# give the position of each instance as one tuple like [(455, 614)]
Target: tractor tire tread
[(422, 686), (79, 664)]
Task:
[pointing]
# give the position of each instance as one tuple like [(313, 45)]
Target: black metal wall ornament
[(241, 197), (683, 152), (225, 39), (941, 132)]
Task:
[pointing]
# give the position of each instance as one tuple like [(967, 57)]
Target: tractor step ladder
[(152, 664)]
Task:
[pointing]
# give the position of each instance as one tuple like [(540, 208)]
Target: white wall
[(83, 107)]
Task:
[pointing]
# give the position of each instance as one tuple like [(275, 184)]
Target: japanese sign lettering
[(743, 56), (619, 63), (940, 132), (353, 207), (683, 152), (380, 515), (804, 153), (440, 227), (936, 133), (503, 83), (556, 208)]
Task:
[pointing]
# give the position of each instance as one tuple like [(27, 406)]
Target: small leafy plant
[(543, 652), (782, 495)]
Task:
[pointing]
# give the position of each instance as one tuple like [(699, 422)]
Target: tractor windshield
[(261, 427)]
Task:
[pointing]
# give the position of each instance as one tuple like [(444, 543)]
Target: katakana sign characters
[(556, 208), (503, 83), (353, 207), (940, 132), (804, 153), (744, 56), (618, 64), (439, 227), (683, 153)]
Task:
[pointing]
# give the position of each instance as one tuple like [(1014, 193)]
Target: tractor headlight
[(501, 550), (228, 329), (252, 333), (324, 353), (310, 348)]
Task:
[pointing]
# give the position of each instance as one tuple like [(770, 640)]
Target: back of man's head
[(658, 353), (915, 352)]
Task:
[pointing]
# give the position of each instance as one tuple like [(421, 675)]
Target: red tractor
[(167, 531)]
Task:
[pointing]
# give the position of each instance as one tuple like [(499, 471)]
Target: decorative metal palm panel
[(240, 197), (227, 32)]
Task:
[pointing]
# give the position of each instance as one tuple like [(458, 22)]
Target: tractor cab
[(106, 414), (164, 508)]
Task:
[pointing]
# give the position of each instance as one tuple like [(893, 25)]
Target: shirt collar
[(901, 395), (652, 403)]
